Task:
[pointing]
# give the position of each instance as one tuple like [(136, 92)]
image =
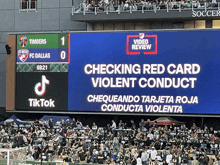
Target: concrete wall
[(138, 25), (51, 15)]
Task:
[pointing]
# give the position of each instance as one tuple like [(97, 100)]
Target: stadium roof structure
[(166, 121), (12, 119)]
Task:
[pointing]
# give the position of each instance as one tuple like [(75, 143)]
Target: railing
[(83, 8), (28, 6)]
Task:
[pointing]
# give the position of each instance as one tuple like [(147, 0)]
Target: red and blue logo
[(141, 44), (23, 54)]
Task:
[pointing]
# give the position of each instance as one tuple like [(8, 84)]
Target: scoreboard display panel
[(42, 72), (119, 72)]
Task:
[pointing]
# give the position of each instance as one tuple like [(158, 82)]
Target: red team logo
[(23, 54), (141, 44), (141, 35)]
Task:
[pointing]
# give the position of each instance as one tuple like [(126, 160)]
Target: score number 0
[(63, 53)]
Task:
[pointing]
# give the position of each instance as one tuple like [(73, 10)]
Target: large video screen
[(122, 72)]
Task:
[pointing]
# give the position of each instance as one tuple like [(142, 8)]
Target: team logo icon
[(41, 85), (23, 41), (141, 35), (23, 54)]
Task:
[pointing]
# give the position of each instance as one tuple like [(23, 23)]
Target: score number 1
[(63, 41), (63, 51)]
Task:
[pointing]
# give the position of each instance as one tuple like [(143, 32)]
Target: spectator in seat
[(150, 162), (142, 124), (82, 155), (73, 124), (202, 160), (206, 157), (147, 124), (45, 149), (115, 142), (113, 127), (101, 5), (4, 125), (134, 6), (149, 7), (66, 157), (112, 162), (164, 162), (88, 156), (120, 125), (100, 157), (139, 162), (156, 162), (194, 127), (83, 5), (30, 157), (68, 123), (79, 125), (75, 157), (136, 154), (155, 124), (133, 126), (126, 6), (128, 154), (2, 129), (50, 146), (144, 157), (150, 136), (51, 123), (216, 162), (163, 155), (210, 161), (21, 140), (94, 157), (9, 144), (36, 154), (169, 157), (63, 123), (94, 127), (213, 138), (153, 153), (211, 131), (157, 145)]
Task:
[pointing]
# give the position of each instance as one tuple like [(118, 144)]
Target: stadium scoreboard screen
[(119, 72), (42, 72)]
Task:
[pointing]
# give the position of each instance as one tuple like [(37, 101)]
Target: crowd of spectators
[(117, 143), (135, 5)]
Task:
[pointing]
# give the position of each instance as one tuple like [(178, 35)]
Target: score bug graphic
[(43, 48), (41, 85)]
